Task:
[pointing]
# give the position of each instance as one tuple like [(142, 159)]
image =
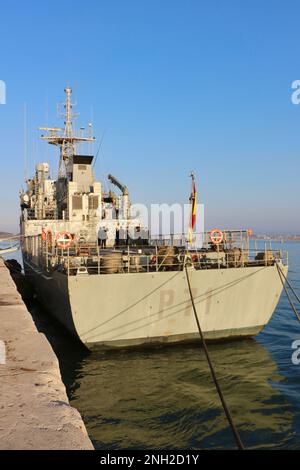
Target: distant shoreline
[(280, 238), (6, 234)]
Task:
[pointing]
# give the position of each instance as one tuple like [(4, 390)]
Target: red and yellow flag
[(193, 201)]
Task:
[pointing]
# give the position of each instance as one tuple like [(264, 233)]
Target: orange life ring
[(216, 236), (64, 239), (43, 234)]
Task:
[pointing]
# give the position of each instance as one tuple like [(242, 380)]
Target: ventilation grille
[(77, 202), (93, 202)]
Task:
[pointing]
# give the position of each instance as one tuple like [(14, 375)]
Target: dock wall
[(34, 409)]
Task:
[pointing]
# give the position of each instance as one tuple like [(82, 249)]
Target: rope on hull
[(233, 427)]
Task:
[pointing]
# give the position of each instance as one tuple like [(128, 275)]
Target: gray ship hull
[(119, 310)]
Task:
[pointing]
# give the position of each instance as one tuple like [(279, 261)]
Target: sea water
[(164, 398)]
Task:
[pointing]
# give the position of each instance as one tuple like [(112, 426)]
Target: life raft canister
[(216, 236), (49, 238), (47, 235), (64, 239)]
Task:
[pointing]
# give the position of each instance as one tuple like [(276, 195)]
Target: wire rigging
[(99, 148)]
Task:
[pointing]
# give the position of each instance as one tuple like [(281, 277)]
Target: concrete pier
[(34, 409)]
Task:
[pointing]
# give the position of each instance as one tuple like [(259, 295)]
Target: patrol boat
[(100, 273)]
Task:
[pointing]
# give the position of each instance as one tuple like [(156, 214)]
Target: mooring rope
[(288, 283), (213, 374), (282, 278)]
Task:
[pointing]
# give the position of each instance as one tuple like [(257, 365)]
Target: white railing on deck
[(91, 259)]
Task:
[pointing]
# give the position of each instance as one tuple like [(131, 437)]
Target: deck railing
[(128, 261), (89, 258)]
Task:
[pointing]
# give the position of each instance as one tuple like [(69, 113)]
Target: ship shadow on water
[(163, 397)]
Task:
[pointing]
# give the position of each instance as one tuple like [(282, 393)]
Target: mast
[(68, 114), (65, 138)]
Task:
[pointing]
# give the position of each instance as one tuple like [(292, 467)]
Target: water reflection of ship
[(159, 400)]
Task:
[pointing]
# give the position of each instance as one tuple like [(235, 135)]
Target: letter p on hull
[(166, 300)]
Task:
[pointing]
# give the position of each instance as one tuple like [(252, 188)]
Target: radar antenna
[(65, 138)]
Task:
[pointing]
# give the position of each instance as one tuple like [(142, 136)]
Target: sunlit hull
[(118, 310)]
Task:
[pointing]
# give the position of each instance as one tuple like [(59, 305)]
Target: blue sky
[(177, 85)]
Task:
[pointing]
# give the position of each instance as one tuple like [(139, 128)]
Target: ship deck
[(146, 256)]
